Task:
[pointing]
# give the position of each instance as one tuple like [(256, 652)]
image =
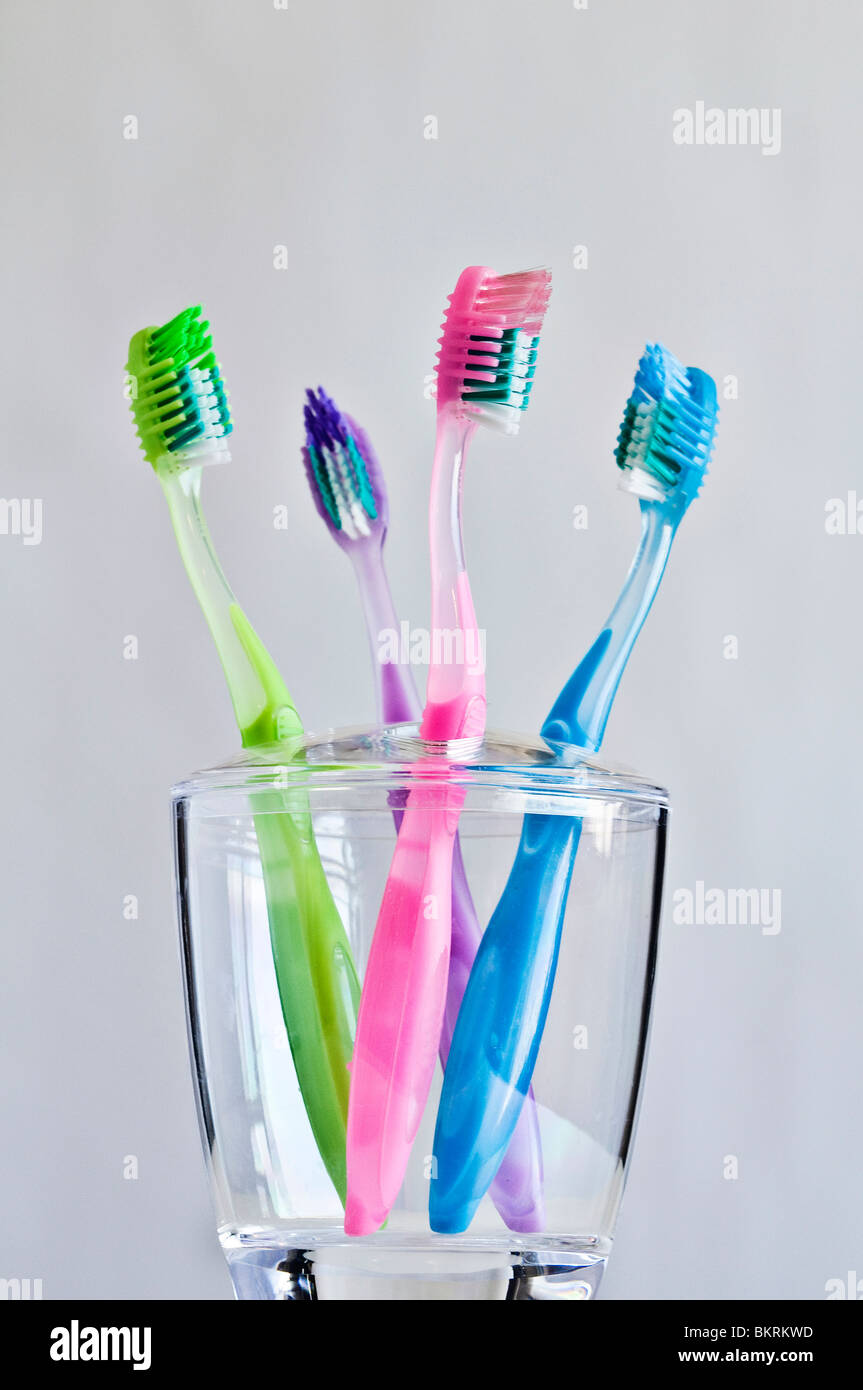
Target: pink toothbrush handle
[(517, 1187), (401, 1013)]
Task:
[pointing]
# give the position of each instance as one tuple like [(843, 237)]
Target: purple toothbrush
[(350, 495)]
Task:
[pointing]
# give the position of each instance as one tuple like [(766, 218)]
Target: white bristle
[(637, 478)]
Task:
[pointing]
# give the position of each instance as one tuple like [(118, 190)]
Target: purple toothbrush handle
[(517, 1187), (398, 695)]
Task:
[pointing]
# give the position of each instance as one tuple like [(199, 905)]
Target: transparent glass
[(279, 1218)]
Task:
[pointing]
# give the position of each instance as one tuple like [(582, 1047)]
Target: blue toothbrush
[(663, 450)]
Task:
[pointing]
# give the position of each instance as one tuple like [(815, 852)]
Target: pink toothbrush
[(485, 372), (350, 494)]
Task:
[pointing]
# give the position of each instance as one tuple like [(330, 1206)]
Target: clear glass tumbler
[(279, 1217)]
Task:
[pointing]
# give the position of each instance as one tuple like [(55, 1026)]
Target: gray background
[(259, 127)]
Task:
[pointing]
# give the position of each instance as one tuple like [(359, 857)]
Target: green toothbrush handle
[(318, 986)]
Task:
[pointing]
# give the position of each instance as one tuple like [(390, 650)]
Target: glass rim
[(390, 755)]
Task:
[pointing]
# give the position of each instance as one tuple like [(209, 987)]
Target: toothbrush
[(182, 416), (484, 373), (663, 450), (349, 492)]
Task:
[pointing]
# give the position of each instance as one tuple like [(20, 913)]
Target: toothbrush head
[(176, 393), (668, 429), (344, 475), (488, 346)]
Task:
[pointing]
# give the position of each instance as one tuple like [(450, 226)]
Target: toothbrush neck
[(263, 708), (182, 490), (455, 695), (445, 526), (395, 689), (581, 711)]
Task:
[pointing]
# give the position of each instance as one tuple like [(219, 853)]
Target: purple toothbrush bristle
[(343, 472), (324, 424)]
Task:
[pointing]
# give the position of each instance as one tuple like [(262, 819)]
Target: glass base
[(384, 1270)]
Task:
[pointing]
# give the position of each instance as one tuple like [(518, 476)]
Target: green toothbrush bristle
[(177, 394)]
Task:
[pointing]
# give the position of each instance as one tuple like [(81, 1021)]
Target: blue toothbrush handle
[(517, 1187), (501, 1021)]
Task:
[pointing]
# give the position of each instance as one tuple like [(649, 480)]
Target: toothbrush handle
[(397, 698), (517, 1186), (399, 703), (502, 1018), (501, 1022), (401, 1011), (318, 986), (316, 980)]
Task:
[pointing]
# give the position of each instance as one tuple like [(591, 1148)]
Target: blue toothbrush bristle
[(341, 469), (668, 429)]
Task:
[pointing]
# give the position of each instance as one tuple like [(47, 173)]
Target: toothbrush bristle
[(343, 473), (176, 393), (668, 429), (489, 343)]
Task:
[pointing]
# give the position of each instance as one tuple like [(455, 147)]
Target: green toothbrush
[(183, 419)]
